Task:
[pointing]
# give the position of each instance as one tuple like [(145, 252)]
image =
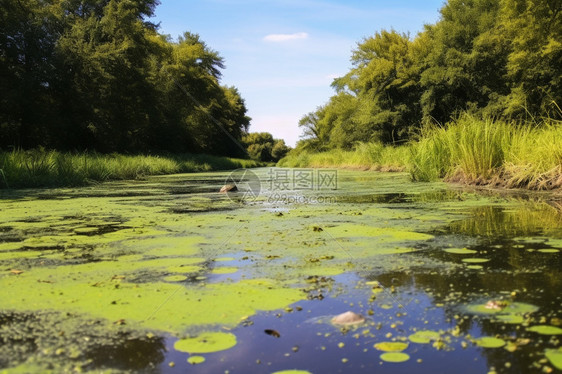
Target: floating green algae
[(194, 360), (475, 260), (545, 330), (206, 343), (510, 308), (383, 234), (395, 357), (515, 319), (548, 250), (475, 267), (391, 346), (424, 336), (489, 342), (91, 289), (555, 357), (460, 251)]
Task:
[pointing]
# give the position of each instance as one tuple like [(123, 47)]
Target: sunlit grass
[(41, 168), (490, 152), (365, 156), (469, 150)]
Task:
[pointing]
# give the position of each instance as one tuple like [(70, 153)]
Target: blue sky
[(283, 54)]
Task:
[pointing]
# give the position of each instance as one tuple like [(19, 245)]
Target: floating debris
[(228, 188), (496, 304), (348, 318), (273, 333)]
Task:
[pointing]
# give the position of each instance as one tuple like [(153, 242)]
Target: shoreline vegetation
[(468, 150), (41, 168)]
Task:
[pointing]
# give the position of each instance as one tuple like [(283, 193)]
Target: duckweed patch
[(545, 330), (195, 360), (424, 336), (206, 343), (395, 357), (391, 346), (489, 342), (555, 357)]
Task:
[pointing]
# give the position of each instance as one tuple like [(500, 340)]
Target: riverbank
[(40, 168), (365, 156), (470, 151)]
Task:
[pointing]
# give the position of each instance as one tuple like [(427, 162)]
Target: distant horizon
[(282, 55)]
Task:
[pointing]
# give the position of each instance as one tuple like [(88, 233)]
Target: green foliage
[(493, 59), (40, 168), (262, 147), (96, 75), (365, 156)]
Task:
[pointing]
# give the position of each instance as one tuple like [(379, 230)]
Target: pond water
[(167, 275)]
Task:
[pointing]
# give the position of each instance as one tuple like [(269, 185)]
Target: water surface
[(144, 276)]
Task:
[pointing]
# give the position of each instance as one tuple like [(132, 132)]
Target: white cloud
[(285, 37)]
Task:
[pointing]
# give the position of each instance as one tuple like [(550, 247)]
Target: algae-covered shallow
[(168, 275)]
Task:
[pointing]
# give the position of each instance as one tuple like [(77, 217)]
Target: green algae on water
[(424, 336), (194, 360), (206, 343), (395, 357), (475, 260), (545, 330), (391, 346), (489, 342), (555, 357)]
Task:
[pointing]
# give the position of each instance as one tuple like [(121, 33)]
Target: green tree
[(533, 31), (466, 65), (263, 147), (95, 74)]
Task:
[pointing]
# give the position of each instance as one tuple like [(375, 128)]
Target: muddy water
[(167, 275)]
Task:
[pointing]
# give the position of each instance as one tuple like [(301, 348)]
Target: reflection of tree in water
[(528, 219), (67, 342)]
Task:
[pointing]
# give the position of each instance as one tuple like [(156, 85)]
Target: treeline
[(261, 146), (97, 75), (489, 58)]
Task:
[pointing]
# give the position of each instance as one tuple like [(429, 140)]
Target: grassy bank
[(469, 150), (365, 156), (39, 168), (486, 152)]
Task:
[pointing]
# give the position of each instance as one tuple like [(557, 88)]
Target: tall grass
[(480, 151), (468, 147), (40, 168), (469, 150), (365, 156)]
